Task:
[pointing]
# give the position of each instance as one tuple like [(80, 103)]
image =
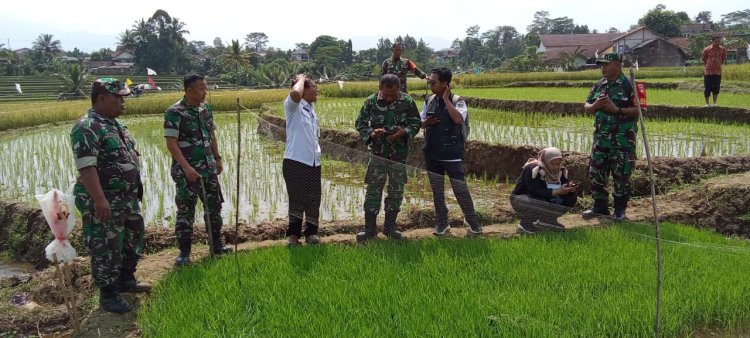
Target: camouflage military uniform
[(400, 67), (115, 245), (193, 127), (389, 157), (614, 143)]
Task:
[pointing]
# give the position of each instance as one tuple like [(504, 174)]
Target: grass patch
[(14, 115), (579, 283)]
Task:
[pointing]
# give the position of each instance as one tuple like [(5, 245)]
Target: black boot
[(128, 283), (620, 204), (110, 300), (370, 231), (600, 208), (389, 227), (184, 257), (218, 248)]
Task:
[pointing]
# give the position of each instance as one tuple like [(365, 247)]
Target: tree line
[(159, 43)]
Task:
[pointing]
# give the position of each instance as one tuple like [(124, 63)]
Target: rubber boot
[(110, 300), (389, 227), (370, 231), (219, 249), (184, 257), (620, 205), (600, 208), (128, 283)]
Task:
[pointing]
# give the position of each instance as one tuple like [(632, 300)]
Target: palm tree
[(45, 48), (75, 77), (276, 73), (235, 54), (176, 31), (127, 39), (46, 44)]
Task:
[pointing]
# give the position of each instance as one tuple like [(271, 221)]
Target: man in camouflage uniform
[(190, 133), (387, 122), (400, 66), (107, 193), (611, 100)]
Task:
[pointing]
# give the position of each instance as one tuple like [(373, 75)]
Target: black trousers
[(436, 171), (303, 186), (711, 84), (531, 209)]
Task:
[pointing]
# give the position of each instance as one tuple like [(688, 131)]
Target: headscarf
[(545, 156)]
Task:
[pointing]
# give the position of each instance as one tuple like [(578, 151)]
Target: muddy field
[(696, 86), (505, 161), (739, 115)]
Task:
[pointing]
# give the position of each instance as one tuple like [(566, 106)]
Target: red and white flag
[(151, 82)]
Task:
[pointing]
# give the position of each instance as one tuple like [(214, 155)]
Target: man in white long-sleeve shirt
[(301, 167)]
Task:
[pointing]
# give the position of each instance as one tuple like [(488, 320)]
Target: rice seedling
[(737, 72), (39, 160), (668, 137), (655, 96), (552, 285)]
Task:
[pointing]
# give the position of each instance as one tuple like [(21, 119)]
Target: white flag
[(596, 54), (636, 65), (341, 84), (150, 71), (18, 88)]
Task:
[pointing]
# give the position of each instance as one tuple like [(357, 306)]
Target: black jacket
[(537, 187)]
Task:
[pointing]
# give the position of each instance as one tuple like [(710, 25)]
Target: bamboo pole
[(657, 320), (70, 305)]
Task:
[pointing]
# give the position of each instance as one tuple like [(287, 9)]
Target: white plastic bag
[(58, 211)]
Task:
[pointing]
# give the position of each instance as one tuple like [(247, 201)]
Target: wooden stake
[(67, 293)]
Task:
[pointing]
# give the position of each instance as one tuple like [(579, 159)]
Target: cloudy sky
[(90, 25)]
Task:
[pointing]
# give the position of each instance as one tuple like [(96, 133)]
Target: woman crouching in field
[(543, 192)]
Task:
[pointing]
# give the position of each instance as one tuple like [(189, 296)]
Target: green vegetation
[(14, 115), (674, 137), (655, 96), (729, 72), (596, 282), (28, 170)]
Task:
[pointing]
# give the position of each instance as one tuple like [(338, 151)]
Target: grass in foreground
[(593, 282)]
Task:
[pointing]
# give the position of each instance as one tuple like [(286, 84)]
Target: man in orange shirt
[(713, 57)]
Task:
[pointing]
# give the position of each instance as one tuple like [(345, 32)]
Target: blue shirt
[(302, 132)]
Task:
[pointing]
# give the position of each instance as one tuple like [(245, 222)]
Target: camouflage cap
[(111, 85), (609, 57)]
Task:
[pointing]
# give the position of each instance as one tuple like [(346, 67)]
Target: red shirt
[(713, 58)]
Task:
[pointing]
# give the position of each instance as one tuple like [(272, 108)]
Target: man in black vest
[(445, 123)]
